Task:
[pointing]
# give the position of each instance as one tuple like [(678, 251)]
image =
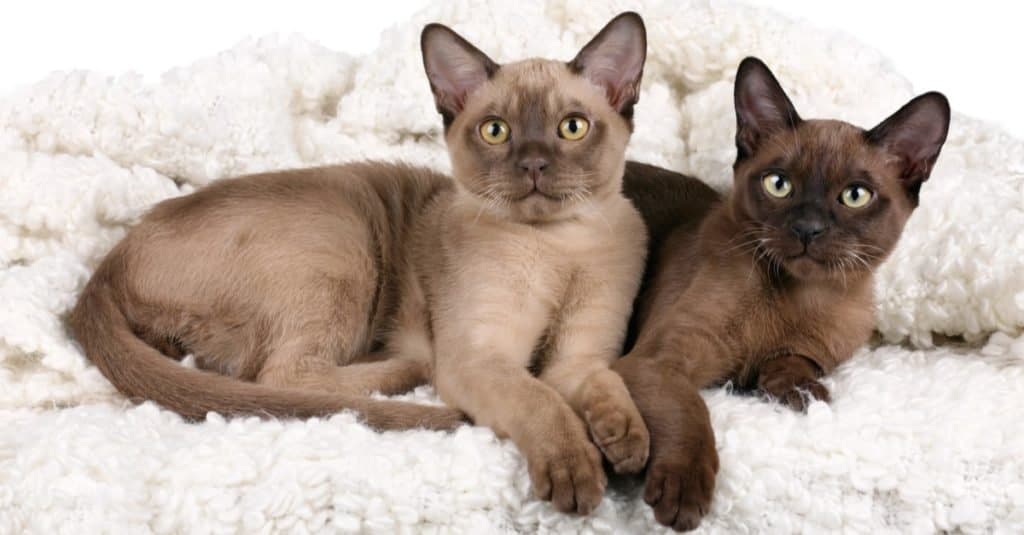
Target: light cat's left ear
[(614, 60), (914, 135), (454, 67)]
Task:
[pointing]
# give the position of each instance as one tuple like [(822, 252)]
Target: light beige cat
[(509, 286)]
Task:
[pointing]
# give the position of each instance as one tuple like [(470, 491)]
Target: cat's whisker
[(752, 237), (742, 247), (855, 256), (763, 255), (865, 251), (488, 196), (585, 197)]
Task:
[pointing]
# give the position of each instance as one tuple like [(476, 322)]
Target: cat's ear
[(614, 60), (762, 107), (913, 136), (454, 67)]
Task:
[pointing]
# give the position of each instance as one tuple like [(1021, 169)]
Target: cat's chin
[(804, 267), (807, 268), (538, 208)]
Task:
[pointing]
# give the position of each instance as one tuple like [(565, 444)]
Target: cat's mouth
[(536, 193), (813, 265), (803, 255)]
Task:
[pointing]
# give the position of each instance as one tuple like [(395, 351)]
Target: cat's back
[(673, 207), (395, 188), (256, 227), (667, 200)]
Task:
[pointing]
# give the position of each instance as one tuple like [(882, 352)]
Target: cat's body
[(278, 279), (771, 286), (509, 287), (755, 313)]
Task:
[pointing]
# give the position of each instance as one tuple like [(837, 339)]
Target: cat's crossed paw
[(620, 433), (793, 381)]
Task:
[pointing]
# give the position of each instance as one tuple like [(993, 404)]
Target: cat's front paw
[(567, 471), (620, 433), (679, 488), (793, 381)]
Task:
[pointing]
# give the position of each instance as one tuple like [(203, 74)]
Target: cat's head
[(538, 140), (824, 199)]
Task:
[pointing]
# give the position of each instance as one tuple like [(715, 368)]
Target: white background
[(969, 50)]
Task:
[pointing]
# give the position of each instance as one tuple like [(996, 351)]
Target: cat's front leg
[(792, 380), (664, 373), (564, 465), (681, 472), (481, 358), (601, 398), (589, 336)]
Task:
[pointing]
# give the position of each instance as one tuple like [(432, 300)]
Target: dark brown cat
[(772, 286)]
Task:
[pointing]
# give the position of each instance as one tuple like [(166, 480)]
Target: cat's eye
[(856, 196), (777, 185), (494, 131), (573, 128)]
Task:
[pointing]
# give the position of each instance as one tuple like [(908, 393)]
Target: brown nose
[(808, 229), (533, 166)]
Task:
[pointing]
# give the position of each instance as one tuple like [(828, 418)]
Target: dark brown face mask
[(825, 199)]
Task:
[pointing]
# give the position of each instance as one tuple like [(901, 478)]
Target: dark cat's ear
[(614, 60), (762, 107), (914, 136), (454, 67)]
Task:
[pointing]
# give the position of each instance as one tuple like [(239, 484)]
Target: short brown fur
[(274, 279), (301, 292), (738, 290), (556, 258)]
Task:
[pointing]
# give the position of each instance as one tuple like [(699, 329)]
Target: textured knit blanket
[(924, 433)]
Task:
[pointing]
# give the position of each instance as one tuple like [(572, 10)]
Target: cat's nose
[(808, 229), (533, 166)]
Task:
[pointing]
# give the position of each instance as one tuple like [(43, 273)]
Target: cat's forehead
[(532, 73), (535, 85), (821, 149), (828, 136)]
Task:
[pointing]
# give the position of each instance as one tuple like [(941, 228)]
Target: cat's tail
[(141, 372)]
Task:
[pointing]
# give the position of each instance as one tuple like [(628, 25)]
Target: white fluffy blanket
[(921, 437)]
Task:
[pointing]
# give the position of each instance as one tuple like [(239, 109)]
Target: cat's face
[(538, 140), (825, 199)]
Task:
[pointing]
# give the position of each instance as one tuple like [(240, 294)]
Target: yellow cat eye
[(777, 185), (856, 196), (494, 131), (573, 128)]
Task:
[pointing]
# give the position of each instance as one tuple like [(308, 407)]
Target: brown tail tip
[(401, 415)]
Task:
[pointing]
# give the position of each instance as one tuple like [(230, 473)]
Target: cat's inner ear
[(614, 60), (455, 68), (762, 107), (914, 135)]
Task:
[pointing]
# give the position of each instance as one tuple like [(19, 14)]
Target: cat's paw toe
[(570, 477), (680, 494), (792, 380), (621, 435), (798, 397)]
